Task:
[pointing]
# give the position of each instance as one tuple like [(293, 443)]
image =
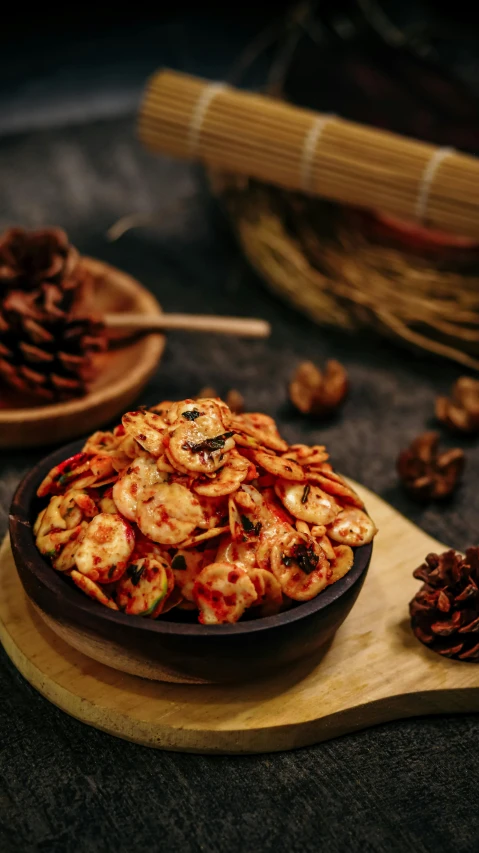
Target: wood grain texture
[(373, 671), (122, 372)]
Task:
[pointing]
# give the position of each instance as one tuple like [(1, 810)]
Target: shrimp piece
[(307, 502), (352, 527), (92, 590), (147, 428), (56, 525), (228, 478), (105, 548), (300, 567), (168, 513), (140, 474), (341, 563), (268, 590), (334, 485), (279, 466), (145, 587), (222, 593)]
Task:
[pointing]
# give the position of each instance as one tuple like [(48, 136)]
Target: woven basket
[(351, 269)]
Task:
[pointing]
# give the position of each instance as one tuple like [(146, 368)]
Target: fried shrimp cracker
[(168, 513), (222, 593), (352, 527), (228, 478), (145, 586), (341, 563), (279, 466), (301, 568), (140, 475), (66, 560), (60, 478), (260, 427), (334, 485), (192, 410), (105, 548), (93, 590), (306, 455), (186, 566), (201, 446), (307, 502), (268, 591), (147, 428), (187, 505)]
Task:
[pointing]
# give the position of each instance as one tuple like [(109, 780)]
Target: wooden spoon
[(247, 327)]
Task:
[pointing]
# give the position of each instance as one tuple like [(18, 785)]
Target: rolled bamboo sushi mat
[(298, 149)]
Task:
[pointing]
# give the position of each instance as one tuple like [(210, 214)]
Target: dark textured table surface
[(408, 785)]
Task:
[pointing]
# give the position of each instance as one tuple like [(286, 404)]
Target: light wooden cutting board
[(374, 670)]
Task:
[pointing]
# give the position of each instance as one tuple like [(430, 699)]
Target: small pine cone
[(426, 473), (46, 345), (316, 393), (445, 611), (29, 259), (461, 411)]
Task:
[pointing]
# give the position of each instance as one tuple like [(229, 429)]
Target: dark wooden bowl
[(171, 648)]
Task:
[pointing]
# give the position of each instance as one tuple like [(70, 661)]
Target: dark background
[(68, 155)]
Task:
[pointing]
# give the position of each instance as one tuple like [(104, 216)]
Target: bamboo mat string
[(206, 97), (309, 149), (427, 181)]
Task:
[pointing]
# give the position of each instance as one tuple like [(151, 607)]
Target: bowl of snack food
[(191, 544)]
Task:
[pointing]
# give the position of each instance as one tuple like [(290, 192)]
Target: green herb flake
[(305, 495), (209, 445), (288, 561), (306, 558), (191, 415), (179, 562), (248, 525), (134, 573)]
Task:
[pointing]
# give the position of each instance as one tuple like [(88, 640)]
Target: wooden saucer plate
[(373, 671), (123, 372)]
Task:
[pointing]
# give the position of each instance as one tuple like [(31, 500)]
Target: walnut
[(318, 393), (428, 474), (233, 399), (461, 411)]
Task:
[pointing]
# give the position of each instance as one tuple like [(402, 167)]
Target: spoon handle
[(244, 327)]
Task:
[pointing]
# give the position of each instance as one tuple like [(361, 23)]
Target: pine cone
[(445, 611), (316, 393), (46, 346), (426, 473), (461, 412)]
